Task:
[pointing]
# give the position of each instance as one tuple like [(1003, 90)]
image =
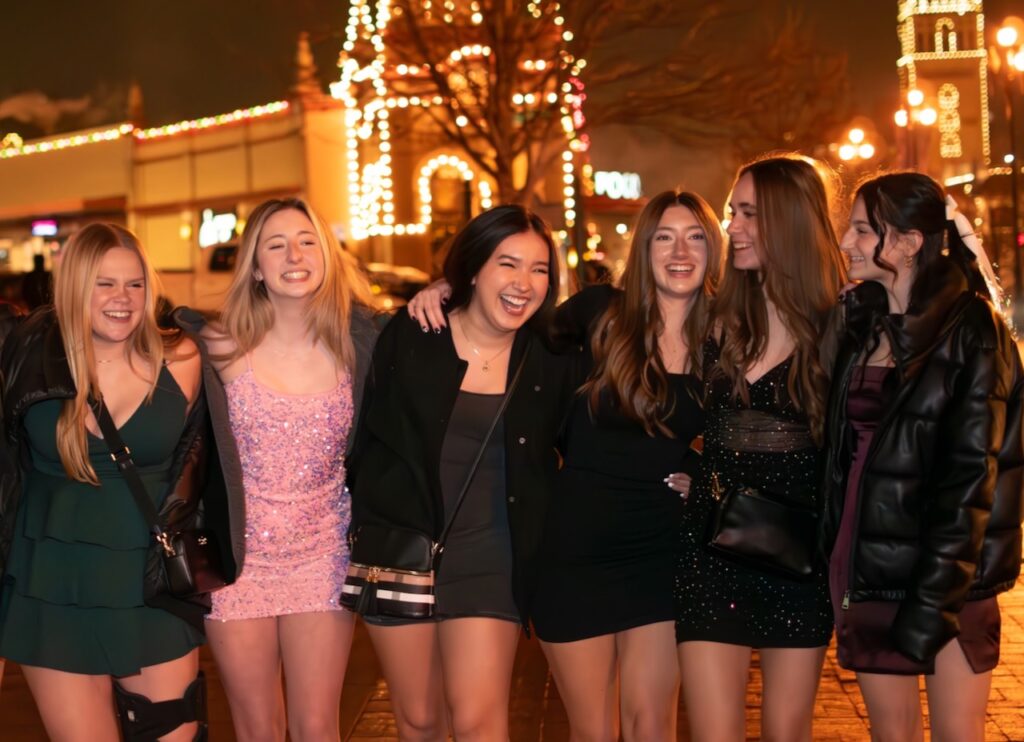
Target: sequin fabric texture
[(292, 449), (764, 445)]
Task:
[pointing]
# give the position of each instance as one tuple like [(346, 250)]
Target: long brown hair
[(802, 275), (627, 362), (248, 313), (72, 295)]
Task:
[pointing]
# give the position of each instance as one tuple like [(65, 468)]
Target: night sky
[(200, 57)]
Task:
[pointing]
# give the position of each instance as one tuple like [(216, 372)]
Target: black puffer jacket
[(938, 520)]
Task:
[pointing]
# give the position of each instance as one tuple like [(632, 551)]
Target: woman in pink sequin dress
[(293, 346)]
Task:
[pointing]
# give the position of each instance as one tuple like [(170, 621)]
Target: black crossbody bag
[(189, 558), (391, 570)]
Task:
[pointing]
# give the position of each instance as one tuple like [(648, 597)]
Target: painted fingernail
[(437, 330), (424, 328)]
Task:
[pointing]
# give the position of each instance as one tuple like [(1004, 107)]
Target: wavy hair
[(624, 343), (248, 314), (906, 202), (72, 297), (801, 276)]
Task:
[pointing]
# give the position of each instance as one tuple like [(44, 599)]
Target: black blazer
[(393, 471)]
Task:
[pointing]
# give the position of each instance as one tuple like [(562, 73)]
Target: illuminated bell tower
[(942, 44)]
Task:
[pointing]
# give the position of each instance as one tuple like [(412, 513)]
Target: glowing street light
[(856, 146), (914, 113)]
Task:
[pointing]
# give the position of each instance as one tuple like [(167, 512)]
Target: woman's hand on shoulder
[(426, 307), (186, 366)]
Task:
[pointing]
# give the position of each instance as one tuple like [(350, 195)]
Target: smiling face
[(859, 244), (289, 256), (118, 298), (744, 238), (679, 254), (512, 284)]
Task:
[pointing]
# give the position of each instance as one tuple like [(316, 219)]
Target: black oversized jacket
[(394, 469), (938, 518)]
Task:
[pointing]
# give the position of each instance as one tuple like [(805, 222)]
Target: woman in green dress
[(73, 543)]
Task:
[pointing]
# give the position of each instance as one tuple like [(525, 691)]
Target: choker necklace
[(102, 361), (486, 366)]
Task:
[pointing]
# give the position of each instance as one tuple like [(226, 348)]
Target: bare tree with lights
[(508, 84)]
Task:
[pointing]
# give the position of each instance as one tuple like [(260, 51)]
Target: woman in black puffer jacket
[(924, 469)]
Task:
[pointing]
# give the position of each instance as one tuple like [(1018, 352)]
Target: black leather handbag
[(189, 558), (391, 569), (763, 531)]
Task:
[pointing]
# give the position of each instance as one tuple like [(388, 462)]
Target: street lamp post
[(1008, 62), (907, 118)]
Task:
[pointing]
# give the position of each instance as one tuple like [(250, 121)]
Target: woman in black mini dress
[(604, 609), (766, 386)]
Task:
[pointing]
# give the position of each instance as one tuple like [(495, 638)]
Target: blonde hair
[(74, 283), (248, 313)]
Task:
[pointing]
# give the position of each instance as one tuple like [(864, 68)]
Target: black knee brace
[(143, 720)]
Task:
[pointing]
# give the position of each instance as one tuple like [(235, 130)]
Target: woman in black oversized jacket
[(923, 473), (429, 399)]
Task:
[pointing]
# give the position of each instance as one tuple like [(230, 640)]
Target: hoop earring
[(908, 261)]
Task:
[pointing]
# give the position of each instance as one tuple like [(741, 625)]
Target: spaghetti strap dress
[(766, 444), (297, 510), (72, 595)]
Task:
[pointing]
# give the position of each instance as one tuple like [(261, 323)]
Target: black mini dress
[(766, 444), (610, 544)]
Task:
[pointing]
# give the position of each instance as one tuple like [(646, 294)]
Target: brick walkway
[(536, 712)]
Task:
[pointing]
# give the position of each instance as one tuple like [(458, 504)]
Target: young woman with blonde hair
[(71, 608), (292, 348), (765, 387)]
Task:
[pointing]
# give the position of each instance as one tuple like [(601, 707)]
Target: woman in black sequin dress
[(766, 388)]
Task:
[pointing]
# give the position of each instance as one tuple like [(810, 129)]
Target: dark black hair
[(473, 246), (909, 201)]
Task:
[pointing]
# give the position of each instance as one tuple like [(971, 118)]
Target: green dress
[(71, 599)]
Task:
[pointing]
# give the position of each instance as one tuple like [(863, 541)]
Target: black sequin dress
[(768, 445)]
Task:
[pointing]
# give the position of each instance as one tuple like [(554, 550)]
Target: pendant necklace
[(486, 365)]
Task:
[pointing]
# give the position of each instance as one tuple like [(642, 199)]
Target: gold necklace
[(486, 366)]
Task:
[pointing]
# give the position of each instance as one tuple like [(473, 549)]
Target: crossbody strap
[(439, 545), (122, 456)]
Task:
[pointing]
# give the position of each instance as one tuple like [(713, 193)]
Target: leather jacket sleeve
[(956, 510)]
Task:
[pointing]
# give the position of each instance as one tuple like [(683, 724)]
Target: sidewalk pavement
[(536, 713)]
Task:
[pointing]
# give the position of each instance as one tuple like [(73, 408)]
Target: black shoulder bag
[(391, 570), (189, 558)]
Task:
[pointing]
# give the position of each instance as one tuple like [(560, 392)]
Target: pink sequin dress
[(292, 448)]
